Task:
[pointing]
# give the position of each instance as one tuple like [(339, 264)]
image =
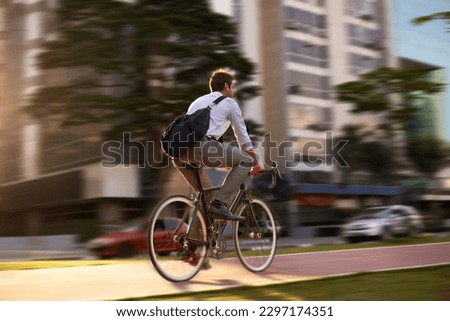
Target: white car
[(383, 223)]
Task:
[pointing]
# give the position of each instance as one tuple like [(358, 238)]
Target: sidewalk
[(30, 255)]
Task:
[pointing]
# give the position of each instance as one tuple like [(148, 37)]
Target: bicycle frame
[(201, 200)]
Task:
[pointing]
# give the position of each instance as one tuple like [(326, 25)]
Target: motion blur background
[(87, 86)]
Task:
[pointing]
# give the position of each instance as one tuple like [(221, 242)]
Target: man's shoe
[(219, 210)]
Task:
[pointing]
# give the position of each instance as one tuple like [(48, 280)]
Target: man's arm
[(256, 169), (242, 136)]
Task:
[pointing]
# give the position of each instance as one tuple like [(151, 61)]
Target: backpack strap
[(216, 101)]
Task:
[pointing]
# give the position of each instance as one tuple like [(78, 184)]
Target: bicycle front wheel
[(255, 238), (176, 238)]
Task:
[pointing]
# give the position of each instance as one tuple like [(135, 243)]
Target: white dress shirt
[(226, 113)]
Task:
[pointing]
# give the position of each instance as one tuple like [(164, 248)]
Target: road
[(121, 281)]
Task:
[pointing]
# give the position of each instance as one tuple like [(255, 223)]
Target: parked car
[(383, 223), (281, 231), (132, 239)]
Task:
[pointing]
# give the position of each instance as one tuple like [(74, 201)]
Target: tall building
[(51, 180), (303, 48), (426, 46)]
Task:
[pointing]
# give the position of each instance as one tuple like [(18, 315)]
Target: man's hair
[(219, 78)]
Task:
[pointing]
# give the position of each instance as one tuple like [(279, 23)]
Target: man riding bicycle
[(211, 152)]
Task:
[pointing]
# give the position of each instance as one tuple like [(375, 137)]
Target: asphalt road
[(121, 281)]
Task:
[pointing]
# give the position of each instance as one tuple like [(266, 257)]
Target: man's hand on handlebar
[(256, 170)]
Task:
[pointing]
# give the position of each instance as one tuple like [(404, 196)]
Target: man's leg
[(215, 154), (241, 164), (189, 174)]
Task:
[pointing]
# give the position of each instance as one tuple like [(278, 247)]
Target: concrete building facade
[(51, 178), (303, 48), (428, 46)]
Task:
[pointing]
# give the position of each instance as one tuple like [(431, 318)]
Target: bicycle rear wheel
[(255, 238), (176, 249)]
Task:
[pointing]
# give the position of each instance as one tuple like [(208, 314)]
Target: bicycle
[(181, 237)]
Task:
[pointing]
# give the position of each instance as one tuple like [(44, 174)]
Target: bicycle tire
[(176, 255), (254, 240)]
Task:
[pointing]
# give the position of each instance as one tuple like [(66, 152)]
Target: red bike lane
[(342, 262)]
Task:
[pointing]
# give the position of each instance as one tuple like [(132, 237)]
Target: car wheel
[(351, 239), (386, 234), (414, 231), (126, 250)]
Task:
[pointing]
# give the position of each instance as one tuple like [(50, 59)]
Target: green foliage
[(363, 153), (389, 92), (436, 16), (427, 154), (108, 52), (378, 159), (351, 153)]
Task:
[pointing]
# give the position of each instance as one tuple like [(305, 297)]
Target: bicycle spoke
[(255, 241), (176, 254)]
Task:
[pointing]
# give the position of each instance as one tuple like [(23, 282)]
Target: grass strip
[(418, 284)]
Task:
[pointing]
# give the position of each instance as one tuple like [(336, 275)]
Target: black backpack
[(186, 130)]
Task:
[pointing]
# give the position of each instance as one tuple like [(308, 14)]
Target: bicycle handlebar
[(275, 172)]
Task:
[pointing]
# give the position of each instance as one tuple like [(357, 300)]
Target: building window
[(363, 37), (309, 85), (305, 53), (359, 64), (309, 117), (237, 11), (304, 21), (361, 9)]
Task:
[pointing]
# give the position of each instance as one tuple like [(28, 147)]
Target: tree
[(378, 159), (428, 154), (389, 92), (364, 153), (132, 66), (435, 16), (351, 152)]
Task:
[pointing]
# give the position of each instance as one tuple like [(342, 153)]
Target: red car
[(133, 239)]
